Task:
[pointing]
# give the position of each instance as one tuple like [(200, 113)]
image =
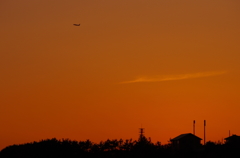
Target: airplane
[(76, 24)]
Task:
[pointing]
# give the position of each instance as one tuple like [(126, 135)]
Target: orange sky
[(158, 63)]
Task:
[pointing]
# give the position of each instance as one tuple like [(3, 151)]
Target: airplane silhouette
[(76, 24)]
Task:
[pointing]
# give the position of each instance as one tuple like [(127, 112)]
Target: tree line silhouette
[(141, 148)]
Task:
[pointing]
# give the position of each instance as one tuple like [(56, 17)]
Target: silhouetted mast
[(141, 133), (204, 132), (194, 127)]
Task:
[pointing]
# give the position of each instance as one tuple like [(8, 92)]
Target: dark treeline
[(141, 148)]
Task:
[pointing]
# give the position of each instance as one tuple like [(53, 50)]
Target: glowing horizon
[(160, 63)]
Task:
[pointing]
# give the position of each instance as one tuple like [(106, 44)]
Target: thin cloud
[(175, 77)]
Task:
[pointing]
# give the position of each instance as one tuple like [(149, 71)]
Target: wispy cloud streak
[(175, 77)]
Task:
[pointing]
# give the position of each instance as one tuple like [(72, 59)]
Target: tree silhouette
[(141, 148)]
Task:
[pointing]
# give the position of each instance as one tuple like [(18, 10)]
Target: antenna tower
[(204, 132), (141, 131), (193, 127)]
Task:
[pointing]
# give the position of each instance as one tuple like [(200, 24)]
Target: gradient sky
[(156, 63)]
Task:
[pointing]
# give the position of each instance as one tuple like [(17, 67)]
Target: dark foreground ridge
[(141, 148)]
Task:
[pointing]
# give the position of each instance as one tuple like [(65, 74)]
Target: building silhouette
[(186, 142), (233, 139)]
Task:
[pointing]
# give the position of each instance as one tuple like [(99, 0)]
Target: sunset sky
[(159, 64)]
